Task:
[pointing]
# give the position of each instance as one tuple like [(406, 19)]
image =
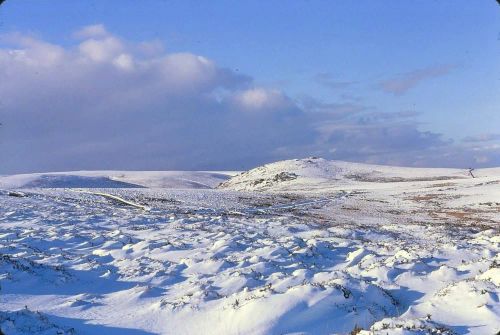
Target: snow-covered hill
[(317, 173), (116, 179), (322, 248)]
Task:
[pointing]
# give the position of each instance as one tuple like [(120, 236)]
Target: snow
[(116, 179), (324, 248), (317, 174)]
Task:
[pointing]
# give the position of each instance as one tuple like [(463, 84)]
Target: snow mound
[(414, 326), (28, 322), (116, 179), (315, 172)]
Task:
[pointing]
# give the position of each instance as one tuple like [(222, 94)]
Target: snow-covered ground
[(117, 179), (303, 246)]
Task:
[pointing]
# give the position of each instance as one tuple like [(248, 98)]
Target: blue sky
[(399, 82)]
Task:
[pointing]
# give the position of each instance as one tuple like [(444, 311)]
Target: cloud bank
[(106, 103)]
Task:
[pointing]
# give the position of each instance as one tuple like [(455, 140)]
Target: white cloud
[(185, 69), (31, 51), (124, 61), (96, 30), (260, 99), (101, 50), (107, 103)]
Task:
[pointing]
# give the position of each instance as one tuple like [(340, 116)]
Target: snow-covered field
[(303, 246)]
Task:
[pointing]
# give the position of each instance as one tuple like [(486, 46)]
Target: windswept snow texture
[(317, 247)]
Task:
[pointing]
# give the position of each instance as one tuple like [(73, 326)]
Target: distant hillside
[(116, 179), (314, 173)]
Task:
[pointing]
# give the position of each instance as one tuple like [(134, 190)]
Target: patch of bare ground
[(376, 200), (375, 179), (495, 206), (491, 182), (473, 217), (432, 198), (424, 197), (350, 208), (442, 185)]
